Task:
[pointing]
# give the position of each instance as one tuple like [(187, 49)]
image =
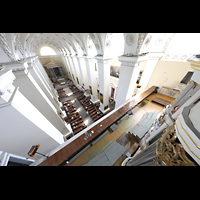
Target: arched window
[(44, 51)]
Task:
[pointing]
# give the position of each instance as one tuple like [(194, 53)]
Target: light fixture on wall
[(33, 151)]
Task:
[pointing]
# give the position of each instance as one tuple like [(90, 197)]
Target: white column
[(66, 65), (80, 71), (22, 125), (43, 75), (32, 91), (84, 72), (42, 85), (90, 66), (104, 82), (69, 67), (129, 72), (76, 66), (74, 74)]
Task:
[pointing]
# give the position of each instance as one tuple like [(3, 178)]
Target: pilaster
[(90, 66), (53, 98), (82, 66), (22, 125), (130, 67), (32, 91), (78, 73), (151, 62), (104, 81)]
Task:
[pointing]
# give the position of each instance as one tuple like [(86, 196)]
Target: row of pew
[(73, 117), (61, 93), (74, 89), (92, 110)]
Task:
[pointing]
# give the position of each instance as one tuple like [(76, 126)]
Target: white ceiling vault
[(22, 45)]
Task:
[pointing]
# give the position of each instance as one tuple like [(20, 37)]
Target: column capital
[(131, 60), (30, 59), (16, 65), (102, 59), (88, 58)]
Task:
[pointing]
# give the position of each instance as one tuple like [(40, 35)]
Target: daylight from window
[(47, 51)]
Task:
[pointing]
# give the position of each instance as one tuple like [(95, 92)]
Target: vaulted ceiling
[(22, 45)]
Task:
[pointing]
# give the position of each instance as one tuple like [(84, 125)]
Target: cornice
[(152, 56), (131, 60), (102, 59), (6, 79), (16, 65)]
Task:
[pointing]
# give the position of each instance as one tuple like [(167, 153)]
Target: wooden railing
[(94, 132)]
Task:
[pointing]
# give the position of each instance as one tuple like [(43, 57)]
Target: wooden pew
[(89, 106), (76, 122), (66, 102), (77, 126), (92, 110), (76, 119), (73, 114), (94, 113), (79, 129)]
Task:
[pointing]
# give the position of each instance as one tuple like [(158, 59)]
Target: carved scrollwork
[(170, 152), (129, 39), (5, 47)]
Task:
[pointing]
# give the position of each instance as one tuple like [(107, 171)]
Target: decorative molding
[(16, 65), (152, 56), (130, 39), (168, 41), (108, 43), (141, 39), (176, 57), (5, 47), (6, 79), (101, 59), (19, 46), (88, 58), (131, 61), (170, 151)]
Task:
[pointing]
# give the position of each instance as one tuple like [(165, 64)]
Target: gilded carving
[(170, 152)]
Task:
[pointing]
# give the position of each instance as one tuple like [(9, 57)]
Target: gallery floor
[(124, 126)]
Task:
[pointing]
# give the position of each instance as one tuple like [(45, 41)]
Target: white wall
[(168, 73)]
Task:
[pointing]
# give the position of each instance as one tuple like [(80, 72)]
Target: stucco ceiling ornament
[(141, 39), (147, 41), (159, 41), (108, 43), (129, 39)]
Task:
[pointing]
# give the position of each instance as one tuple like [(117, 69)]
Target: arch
[(46, 50)]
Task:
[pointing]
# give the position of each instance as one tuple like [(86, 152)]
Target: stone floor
[(85, 116)]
